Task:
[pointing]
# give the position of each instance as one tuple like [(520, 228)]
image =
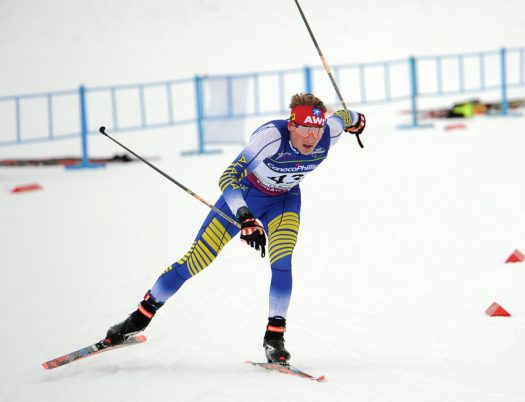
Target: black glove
[(354, 122), (252, 232)]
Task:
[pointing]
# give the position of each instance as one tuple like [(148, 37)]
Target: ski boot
[(274, 341), (135, 323)]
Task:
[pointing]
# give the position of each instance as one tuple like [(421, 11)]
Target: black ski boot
[(135, 323), (274, 341)]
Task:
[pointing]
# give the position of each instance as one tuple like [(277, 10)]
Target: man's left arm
[(342, 120)]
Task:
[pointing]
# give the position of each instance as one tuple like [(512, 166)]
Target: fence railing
[(201, 100)]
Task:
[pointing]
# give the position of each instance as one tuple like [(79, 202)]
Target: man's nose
[(311, 135)]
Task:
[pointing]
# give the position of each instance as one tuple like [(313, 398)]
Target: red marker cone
[(516, 256), (495, 310), (26, 187), (455, 126)]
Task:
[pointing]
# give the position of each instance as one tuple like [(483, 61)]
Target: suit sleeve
[(336, 129)]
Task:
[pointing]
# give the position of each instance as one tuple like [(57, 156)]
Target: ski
[(90, 350), (287, 369)]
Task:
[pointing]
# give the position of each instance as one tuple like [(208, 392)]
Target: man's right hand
[(252, 232)]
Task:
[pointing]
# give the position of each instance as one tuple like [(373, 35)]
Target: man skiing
[(260, 189)]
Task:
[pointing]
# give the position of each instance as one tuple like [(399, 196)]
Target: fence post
[(413, 96), (17, 119), (199, 108), (413, 89), (503, 64), (84, 163), (83, 124), (199, 119), (307, 79)]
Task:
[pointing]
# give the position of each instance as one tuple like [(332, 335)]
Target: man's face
[(304, 138)]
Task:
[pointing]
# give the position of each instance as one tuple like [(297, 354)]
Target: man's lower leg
[(135, 323)]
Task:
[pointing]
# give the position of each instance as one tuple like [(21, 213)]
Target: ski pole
[(102, 130), (326, 66)]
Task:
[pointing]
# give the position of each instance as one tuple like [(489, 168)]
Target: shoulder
[(268, 136)]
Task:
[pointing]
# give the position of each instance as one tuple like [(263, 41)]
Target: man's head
[(307, 121)]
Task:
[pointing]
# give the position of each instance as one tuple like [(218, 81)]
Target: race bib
[(278, 179)]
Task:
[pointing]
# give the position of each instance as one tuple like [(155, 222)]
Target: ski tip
[(321, 379), (49, 365), (141, 338)]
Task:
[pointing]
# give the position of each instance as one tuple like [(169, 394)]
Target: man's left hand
[(354, 122), (359, 126)]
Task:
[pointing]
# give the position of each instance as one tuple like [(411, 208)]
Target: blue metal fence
[(66, 114)]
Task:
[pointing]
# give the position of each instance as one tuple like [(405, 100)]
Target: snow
[(402, 244)]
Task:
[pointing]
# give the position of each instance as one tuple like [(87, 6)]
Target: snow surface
[(402, 244)]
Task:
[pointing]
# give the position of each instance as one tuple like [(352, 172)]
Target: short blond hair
[(303, 99)]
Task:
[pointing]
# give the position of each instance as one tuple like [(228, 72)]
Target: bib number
[(290, 178)]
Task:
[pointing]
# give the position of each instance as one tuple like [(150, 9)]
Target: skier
[(260, 188)]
